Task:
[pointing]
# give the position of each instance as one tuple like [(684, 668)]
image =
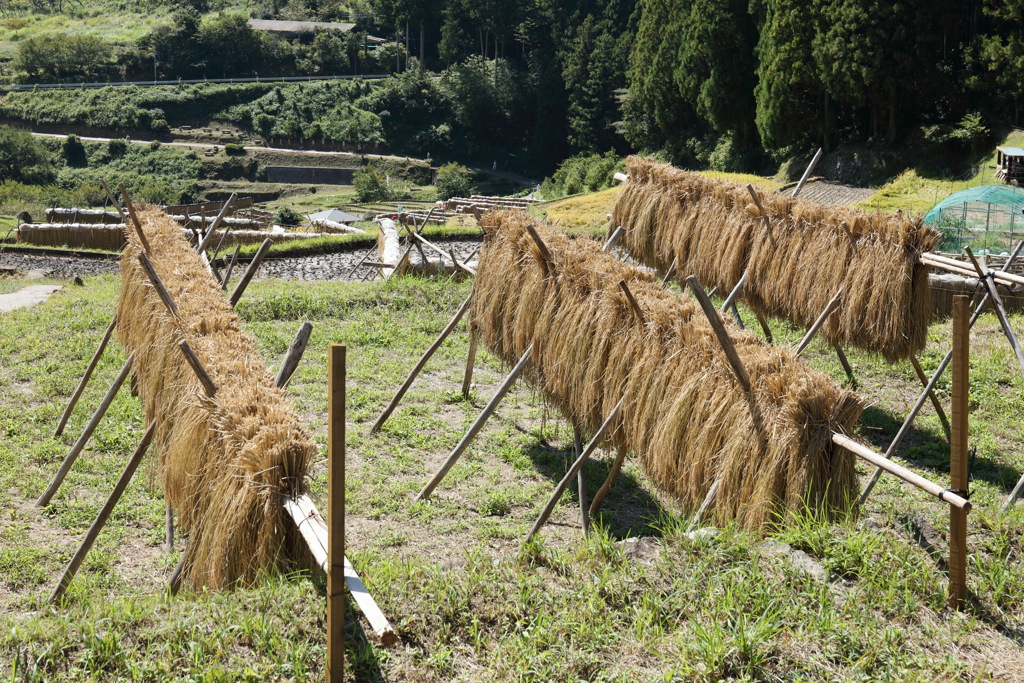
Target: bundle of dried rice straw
[(225, 462), (684, 415), (795, 262)]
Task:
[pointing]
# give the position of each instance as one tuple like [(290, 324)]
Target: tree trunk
[(423, 45), (892, 116)]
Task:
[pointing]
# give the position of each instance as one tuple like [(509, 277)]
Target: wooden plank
[(313, 530), (453, 457), (85, 378), (958, 450), (336, 510)]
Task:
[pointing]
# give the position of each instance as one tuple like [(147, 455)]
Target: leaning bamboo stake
[(919, 371), (250, 272), (135, 218), (294, 355), (197, 367), (574, 469), (427, 355), (958, 451), (987, 277), (79, 445), (581, 482), (423, 240), (157, 283), (829, 309), (114, 203), (705, 504), (85, 378), (336, 510), (632, 301), (453, 457), (231, 267), (807, 172), (169, 528), (720, 332), (103, 516), (613, 239), (467, 378), (606, 487), (731, 299), (224, 211)]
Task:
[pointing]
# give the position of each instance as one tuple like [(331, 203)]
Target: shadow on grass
[(929, 449), (627, 511)]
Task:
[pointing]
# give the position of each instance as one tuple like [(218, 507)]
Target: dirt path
[(27, 296)]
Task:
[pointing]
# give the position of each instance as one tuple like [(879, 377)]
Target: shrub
[(160, 127), (24, 157), (287, 216), (234, 149), (453, 180), (373, 186), (116, 147), (582, 173), (73, 151)]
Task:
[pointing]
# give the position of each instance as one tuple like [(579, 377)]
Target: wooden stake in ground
[(453, 457), (250, 272), (723, 336), (830, 308), (467, 378), (85, 378), (422, 362), (336, 512), (958, 451), (581, 481)]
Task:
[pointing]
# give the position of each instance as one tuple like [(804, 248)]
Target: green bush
[(453, 180), (287, 216), (374, 186), (73, 151), (582, 173), (24, 157), (234, 149)]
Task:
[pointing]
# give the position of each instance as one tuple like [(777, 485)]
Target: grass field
[(470, 602)]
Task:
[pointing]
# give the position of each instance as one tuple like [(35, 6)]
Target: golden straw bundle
[(74, 235), (795, 262), (684, 414), (226, 461)]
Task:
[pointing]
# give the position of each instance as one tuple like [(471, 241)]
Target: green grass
[(470, 602)]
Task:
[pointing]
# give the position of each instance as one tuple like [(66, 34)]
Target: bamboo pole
[(453, 457), (231, 267), (574, 469), (169, 527), (224, 210), (613, 475), (135, 218), (104, 514), (114, 202), (158, 284), (709, 498), (958, 451), (720, 332), (613, 239), (902, 472), (997, 301), (581, 482), (85, 378), (931, 394), (197, 367), (79, 445), (731, 299), (336, 510), (250, 272), (632, 302), (423, 240), (845, 362), (807, 172), (764, 327), (830, 307), (294, 354), (467, 378), (419, 365)]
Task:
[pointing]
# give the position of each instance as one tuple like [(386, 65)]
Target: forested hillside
[(730, 84)]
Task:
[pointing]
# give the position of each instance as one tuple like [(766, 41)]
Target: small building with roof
[(1010, 164)]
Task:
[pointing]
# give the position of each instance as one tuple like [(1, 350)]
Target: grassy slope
[(913, 193), (469, 603)]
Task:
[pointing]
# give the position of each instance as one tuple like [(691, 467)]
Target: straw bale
[(685, 415), (73, 235), (713, 229), (225, 462)]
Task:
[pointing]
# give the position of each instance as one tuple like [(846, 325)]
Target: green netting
[(987, 218)]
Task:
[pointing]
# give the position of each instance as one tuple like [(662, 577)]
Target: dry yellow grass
[(685, 415), (796, 263), (225, 462)]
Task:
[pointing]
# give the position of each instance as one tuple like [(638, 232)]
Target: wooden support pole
[(231, 267), (134, 217), (113, 202), (807, 172), (606, 487), (250, 272), (731, 299), (764, 327), (467, 378), (632, 302), (197, 367), (85, 378), (449, 328), (336, 512), (453, 457), (429, 245), (574, 469), (1014, 495), (294, 354), (669, 273), (158, 284), (760, 207), (830, 307), (581, 482), (709, 498), (225, 209), (902, 472), (169, 527), (919, 371), (845, 362), (79, 445), (720, 332), (544, 253), (104, 514), (905, 427), (985, 275), (958, 451), (613, 239)]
